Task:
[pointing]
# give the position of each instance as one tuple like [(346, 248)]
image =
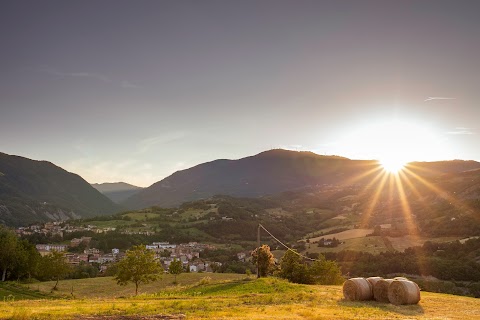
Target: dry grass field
[(238, 299), (344, 235)]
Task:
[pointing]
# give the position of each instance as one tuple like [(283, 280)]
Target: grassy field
[(355, 239), (243, 299), (372, 245), (110, 223), (344, 235), (106, 287), (13, 292), (402, 243)]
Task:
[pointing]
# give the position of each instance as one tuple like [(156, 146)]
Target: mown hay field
[(244, 299), (106, 287)]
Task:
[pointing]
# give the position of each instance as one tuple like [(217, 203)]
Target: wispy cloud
[(147, 144), (132, 171), (88, 75), (461, 131), (62, 74), (129, 85), (438, 98)]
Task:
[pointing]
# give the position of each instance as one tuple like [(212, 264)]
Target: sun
[(393, 164), (393, 142)]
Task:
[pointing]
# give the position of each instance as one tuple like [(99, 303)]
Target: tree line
[(19, 259)]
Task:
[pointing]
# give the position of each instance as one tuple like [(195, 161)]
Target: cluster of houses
[(187, 253), (89, 255), (165, 252), (58, 228)]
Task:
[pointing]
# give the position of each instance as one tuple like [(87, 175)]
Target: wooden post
[(258, 250)]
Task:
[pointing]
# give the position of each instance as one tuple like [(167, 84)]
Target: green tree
[(54, 266), (175, 268), (8, 251), (294, 269), (27, 260), (321, 271), (139, 266), (264, 260), (325, 272)]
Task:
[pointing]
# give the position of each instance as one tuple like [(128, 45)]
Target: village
[(188, 253)]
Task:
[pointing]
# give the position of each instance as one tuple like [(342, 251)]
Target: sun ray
[(376, 168), (414, 189), (437, 190), (409, 221), (374, 201)]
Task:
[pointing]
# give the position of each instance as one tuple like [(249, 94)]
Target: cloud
[(438, 98), (147, 144), (461, 131), (91, 75), (294, 147), (129, 85), (88, 75), (132, 171)]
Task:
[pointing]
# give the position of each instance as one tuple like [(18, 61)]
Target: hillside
[(272, 172), (266, 173), (117, 191), (209, 298), (40, 191)]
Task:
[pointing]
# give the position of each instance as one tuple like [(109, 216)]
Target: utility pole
[(258, 250)]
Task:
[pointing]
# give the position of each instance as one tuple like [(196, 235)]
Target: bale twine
[(401, 278), (357, 289), (403, 292), (380, 290), (372, 281)]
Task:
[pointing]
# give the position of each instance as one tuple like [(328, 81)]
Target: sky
[(133, 91)]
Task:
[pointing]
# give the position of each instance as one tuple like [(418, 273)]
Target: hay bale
[(357, 289), (380, 290), (403, 292), (372, 281)]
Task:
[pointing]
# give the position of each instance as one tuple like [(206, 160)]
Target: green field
[(106, 287), (13, 292), (141, 216), (110, 223), (239, 299), (372, 245)]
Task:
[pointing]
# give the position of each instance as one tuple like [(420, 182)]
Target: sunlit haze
[(135, 90)]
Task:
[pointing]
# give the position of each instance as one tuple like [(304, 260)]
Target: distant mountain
[(117, 191), (33, 191), (270, 172)]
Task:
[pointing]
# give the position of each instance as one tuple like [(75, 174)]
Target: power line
[(283, 244)]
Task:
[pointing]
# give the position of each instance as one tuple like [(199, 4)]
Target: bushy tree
[(27, 261), (8, 251), (175, 268), (325, 272), (294, 269), (139, 266), (263, 258), (18, 258), (321, 271), (54, 266)]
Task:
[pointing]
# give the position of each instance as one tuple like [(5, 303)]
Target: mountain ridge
[(269, 172), (38, 190), (117, 191)]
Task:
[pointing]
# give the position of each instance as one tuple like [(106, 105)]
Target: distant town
[(188, 253)]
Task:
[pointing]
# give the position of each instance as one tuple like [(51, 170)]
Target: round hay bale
[(380, 290), (401, 278), (357, 289), (372, 281), (403, 292)]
